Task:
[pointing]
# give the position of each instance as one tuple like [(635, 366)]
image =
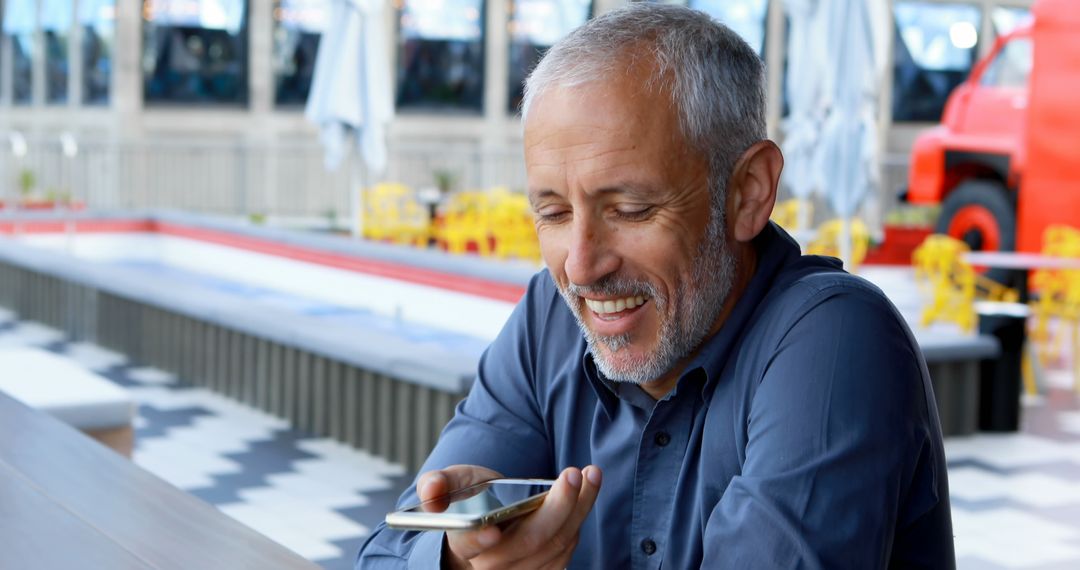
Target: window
[(56, 29), (749, 19), (19, 21), (535, 25), (195, 51), (745, 17), (98, 21), (298, 25), (934, 52), (1012, 65), (1006, 19), (441, 55)]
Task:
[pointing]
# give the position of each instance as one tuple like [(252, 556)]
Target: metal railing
[(215, 176), (283, 178)]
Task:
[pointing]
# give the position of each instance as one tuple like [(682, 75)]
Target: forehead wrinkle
[(578, 136), (583, 171), (545, 152)]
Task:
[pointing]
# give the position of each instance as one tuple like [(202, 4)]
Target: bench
[(72, 394), (955, 363)]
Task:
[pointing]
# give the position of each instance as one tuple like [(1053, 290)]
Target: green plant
[(27, 182), (444, 180), (331, 216), (913, 216)]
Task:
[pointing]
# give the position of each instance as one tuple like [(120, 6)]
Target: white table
[(1015, 260), (75, 396)]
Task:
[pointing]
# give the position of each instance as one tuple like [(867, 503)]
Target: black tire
[(992, 197)]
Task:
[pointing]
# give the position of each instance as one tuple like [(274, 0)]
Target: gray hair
[(715, 79)]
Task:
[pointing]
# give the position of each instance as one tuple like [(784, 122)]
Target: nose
[(591, 254)]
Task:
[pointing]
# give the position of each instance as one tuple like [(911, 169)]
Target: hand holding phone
[(545, 537), (483, 504)]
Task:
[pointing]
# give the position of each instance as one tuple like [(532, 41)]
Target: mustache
[(615, 286)]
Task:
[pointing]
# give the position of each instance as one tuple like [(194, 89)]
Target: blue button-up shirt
[(803, 435)]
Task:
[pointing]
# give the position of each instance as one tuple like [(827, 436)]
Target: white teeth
[(616, 306)]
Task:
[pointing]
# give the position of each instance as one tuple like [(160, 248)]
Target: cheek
[(553, 252), (662, 253)]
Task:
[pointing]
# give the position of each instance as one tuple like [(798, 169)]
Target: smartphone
[(480, 505)]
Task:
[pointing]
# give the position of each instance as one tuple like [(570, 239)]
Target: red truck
[(1005, 161)]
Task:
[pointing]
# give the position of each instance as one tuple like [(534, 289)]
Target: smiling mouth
[(613, 308)]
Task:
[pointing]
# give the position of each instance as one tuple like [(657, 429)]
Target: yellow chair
[(941, 271), (1059, 297), (952, 283), (466, 219), (513, 227), (392, 213), (787, 213), (827, 241)]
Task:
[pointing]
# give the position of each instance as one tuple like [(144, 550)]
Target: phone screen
[(483, 498), (492, 502)]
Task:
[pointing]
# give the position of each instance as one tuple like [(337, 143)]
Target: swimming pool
[(369, 343), (319, 290)]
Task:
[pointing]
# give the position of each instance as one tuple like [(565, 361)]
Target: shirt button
[(648, 547), (662, 438)]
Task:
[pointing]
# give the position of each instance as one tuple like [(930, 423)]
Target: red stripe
[(449, 281), (79, 226)]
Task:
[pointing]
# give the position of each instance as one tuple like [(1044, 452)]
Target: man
[(748, 407)]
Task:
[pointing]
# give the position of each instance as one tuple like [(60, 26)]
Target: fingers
[(437, 483), (469, 544), (569, 534), (546, 537), (433, 487), (586, 497), (551, 532)]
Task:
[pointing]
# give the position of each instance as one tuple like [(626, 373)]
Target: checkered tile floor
[(1016, 497), (311, 494)]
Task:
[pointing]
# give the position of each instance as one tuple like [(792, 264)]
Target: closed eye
[(551, 215), (635, 214)]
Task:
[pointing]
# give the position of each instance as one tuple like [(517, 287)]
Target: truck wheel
[(980, 213)]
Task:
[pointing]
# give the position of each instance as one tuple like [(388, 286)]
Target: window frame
[(243, 58), (451, 110)]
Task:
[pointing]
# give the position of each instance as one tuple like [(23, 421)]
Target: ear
[(752, 189)]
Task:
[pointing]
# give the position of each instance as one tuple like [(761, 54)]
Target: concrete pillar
[(126, 90), (496, 89), (260, 54), (776, 53), (37, 75), (75, 62)]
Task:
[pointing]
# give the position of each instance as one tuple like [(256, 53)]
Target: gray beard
[(685, 320)]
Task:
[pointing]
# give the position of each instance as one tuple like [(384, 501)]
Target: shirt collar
[(604, 388), (775, 249), (610, 392)]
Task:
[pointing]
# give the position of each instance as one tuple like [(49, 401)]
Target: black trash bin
[(1000, 379)]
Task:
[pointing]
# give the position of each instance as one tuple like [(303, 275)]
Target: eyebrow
[(539, 195), (634, 190)]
